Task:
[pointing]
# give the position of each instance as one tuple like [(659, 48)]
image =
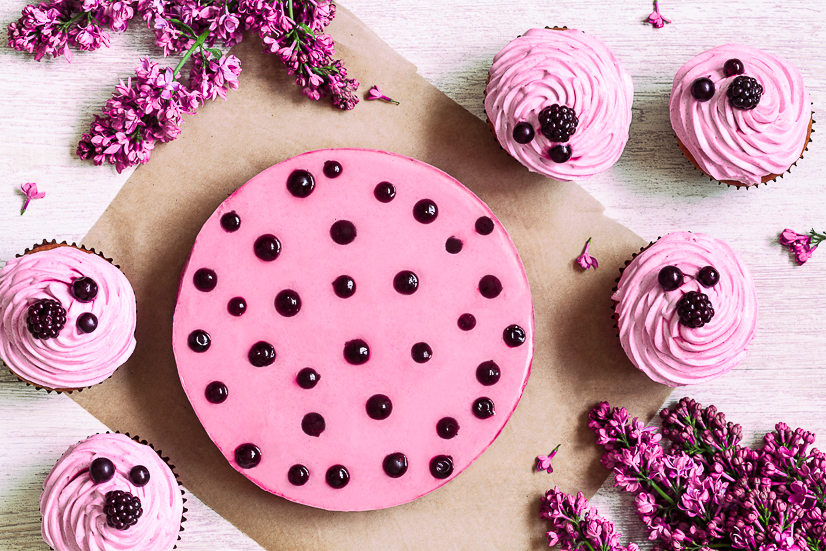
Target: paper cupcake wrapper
[(171, 468), (46, 246), (767, 178)]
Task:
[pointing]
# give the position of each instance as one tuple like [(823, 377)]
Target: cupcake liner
[(767, 178), (166, 460), (47, 246)]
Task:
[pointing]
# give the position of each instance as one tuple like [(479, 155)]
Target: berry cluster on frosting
[(743, 92)]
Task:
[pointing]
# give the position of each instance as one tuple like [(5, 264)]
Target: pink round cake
[(353, 329), (686, 309), (559, 102), (79, 503), (745, 140)]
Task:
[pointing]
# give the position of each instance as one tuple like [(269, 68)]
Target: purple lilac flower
[(41, 30), (801, 245), (143, 110), (211, 78), (575, 525)]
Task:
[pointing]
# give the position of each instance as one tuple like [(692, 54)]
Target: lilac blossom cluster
[(704, 490), (801, 245), (148, 107), (575, 525), (49, 28)]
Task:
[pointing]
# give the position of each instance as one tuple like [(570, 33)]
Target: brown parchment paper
[(151, 226)]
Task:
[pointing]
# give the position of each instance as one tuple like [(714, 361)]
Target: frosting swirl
[(649, 326), (72, 503), (74, 359), (569, 68), (734, 144)]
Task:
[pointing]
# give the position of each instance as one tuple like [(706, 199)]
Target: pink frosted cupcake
[(742, 116), (686, 309), (559, 102), (67, 317), (109, 493)]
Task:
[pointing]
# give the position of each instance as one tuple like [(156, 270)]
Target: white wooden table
[(45, 107)]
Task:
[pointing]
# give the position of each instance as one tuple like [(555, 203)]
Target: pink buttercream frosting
[(265, 406), (72, 503), (74, 359), (570, 68), (736, 144), (649, 326)]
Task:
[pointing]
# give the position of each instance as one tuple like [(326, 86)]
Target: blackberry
[(122, 509), (558, 123), (695, 309), (46, 319), (744, 93)]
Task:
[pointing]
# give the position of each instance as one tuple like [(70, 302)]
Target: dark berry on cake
[(441, 466), (337, 476), (139, 475), (343, 232), (395, 465), (744, 93), (447, 428), (425, 211), (356, 352), (483, 408), (695, 309), (558, 123), (307, 378), (490, 286), (344, 286), (702, 89), (379, 407), (406, 282), (46, 318), (122, 509), (247, 456), (488, 373), (300, 183), (287, 303), (385, 192), (523, 133), (231, 222), (514, 336), (421, 352), (560, 153), (733, 67), (670, 278), (467, 322), (332, 169), (261, 354), (84, 289), (267, 247), (298, 475), (313, 424), (87, 322), (708, 276), (101, 470), (453, 245)]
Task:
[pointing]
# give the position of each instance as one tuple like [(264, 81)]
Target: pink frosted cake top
[(74, 358), (648, 318), (353, 329), (73, 502), (741, 145), (572, 69)]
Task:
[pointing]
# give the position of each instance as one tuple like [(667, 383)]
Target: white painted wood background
[(45, 107)]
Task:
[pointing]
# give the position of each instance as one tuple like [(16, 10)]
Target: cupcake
[(559, 102), (686, 309), (111, 492), (742, 116), (67, 317)]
